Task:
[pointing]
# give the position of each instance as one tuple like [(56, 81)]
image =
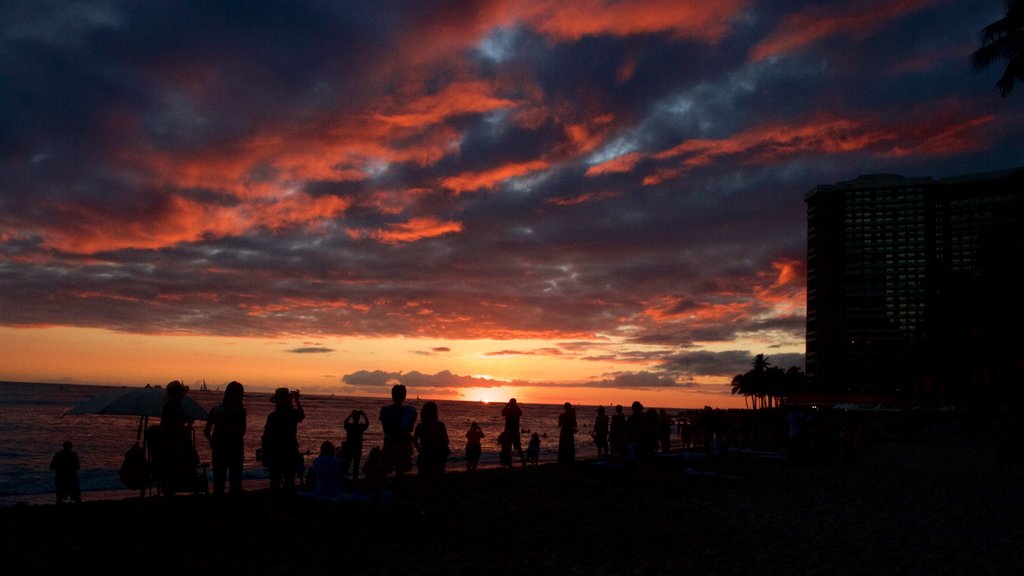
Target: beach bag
[(134, 470)]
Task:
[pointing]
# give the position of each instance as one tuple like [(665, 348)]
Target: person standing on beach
[(177, 459), (225, 430), (280, 442), (65, 465), (397, 421), (617, 433), (473, 447), (431, 441), (600, 432), (352, 448), (567, 435), (638, 437), (512, 414)]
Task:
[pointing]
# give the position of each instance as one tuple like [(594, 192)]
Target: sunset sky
[(590, 201)]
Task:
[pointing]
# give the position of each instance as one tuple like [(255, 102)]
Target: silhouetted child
[(374, 471), (65, 465), (533, 449)]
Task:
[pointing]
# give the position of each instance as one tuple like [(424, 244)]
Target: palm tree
[(1004, 40), (739, 387)]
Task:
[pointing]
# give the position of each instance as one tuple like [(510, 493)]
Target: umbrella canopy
[(136, 402)]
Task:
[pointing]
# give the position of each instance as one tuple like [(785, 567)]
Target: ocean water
[(34, 424)]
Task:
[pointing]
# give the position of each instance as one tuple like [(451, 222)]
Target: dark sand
[(909, 506)]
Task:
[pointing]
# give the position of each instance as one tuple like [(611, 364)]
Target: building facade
[(912, 285)]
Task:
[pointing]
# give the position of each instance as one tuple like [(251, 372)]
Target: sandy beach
[(922, 505)]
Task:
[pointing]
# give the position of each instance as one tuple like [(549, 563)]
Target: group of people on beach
[(406, 442)]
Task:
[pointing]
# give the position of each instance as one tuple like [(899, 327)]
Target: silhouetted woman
[(473, 447), (431, 441), (225, 429), (567, 435)]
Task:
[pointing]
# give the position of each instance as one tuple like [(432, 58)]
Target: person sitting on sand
[(65, 465), (533, 449), (327, 472), (374, 471), (473, 447)]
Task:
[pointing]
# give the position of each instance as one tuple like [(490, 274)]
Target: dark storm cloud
[(540, 169)]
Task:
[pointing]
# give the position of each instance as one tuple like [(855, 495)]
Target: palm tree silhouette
[(1004, 40)]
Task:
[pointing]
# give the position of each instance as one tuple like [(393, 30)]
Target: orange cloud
[(410, 231), (456, 99), (584, 198), (672, 308), (696, 19), (489, 179), (939, 138), (787, 286), (624, 163), (176, 219), (816, 22), (827, 134)]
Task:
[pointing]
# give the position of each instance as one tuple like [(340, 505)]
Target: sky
[(587, 201)]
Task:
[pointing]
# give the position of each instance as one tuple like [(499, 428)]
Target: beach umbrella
[(148, 401)]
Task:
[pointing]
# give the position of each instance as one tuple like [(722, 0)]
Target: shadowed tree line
[(767, 385)]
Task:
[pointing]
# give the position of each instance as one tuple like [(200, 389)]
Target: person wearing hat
[(177, 457), (280, 444)]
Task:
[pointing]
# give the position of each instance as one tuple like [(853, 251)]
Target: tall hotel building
[(914, 286)]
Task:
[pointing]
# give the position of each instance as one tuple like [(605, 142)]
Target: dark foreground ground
[(908, 506)]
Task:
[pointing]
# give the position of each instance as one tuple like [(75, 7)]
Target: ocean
[(34, 425)]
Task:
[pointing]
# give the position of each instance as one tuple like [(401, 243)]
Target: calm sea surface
[(33, 425)]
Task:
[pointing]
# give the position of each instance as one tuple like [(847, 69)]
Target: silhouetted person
[(664, 430), (600, 432), (431, 441), (280, 441), (533, 449), (512, 414), (567, 435), (638, 437), (397, 421), (65, 466), (327, 472), (352, 448), (617, 433), (374, 471), (473, 447), (177, 460), (225, 429), (504, 450)]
